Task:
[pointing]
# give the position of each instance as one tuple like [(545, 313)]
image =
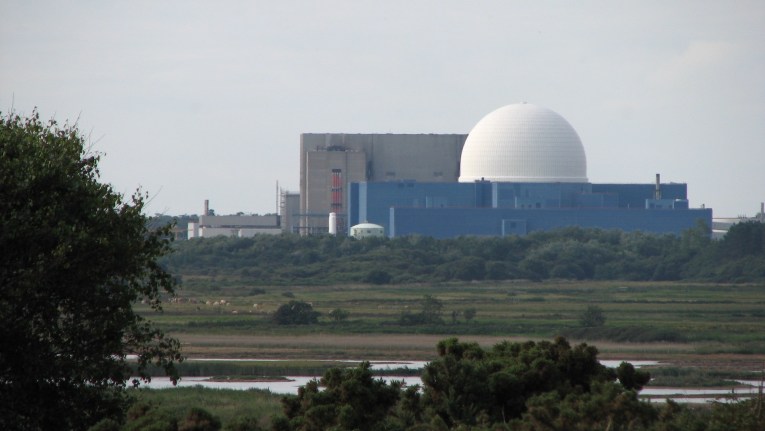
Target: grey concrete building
[(289, 211), (330, 161)]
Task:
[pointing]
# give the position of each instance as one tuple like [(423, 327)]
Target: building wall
[(634, 195), (234, 225), (565, 204), (544, 195), (289, 212), (368, 157), (453, 222), (371, 202), (239, 221), (320, 192)]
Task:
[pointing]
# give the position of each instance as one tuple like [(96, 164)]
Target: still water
[(290, 384)]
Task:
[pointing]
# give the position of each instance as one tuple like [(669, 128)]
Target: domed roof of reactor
[(523, 143)]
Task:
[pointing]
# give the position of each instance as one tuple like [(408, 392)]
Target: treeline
[(531, 386), (570, 253)]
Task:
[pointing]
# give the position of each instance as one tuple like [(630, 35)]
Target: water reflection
[(290, 384)]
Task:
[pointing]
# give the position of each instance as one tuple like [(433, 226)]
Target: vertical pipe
[(657, 193)]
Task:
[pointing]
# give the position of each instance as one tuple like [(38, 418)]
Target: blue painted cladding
[(540, 195), (635, 195), (380, 197), (453, 222)]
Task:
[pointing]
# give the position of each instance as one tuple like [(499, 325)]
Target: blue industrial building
[(498, 209), (522, 169)]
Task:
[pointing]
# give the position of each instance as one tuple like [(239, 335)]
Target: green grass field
[(227, 405), (711, 326), (704, 334), (729, 316)]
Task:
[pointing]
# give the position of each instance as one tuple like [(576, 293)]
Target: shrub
[(592, 316), (377, 276), (469, 313), (244, 423), (198, 419), (296, 313), (338, 315)]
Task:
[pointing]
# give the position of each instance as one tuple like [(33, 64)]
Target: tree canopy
[(529, 386), (570, 253), (76, 257)]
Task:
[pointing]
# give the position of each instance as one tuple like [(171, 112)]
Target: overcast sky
[(194, 100)]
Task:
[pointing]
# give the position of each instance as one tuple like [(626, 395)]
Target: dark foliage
[(531, 386), (198, 419), (430, 312), (352, 399), (570, 253), (592, 316), (377, 276), (75, 257), (296, 313), (338, 315), (631, 378), (466, 384)]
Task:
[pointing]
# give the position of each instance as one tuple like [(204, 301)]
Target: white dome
[(523, 143)]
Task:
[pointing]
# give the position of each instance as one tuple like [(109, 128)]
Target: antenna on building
[(657, 193)]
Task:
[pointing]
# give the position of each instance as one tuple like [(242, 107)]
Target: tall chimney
[(207, 207), (657, 193)]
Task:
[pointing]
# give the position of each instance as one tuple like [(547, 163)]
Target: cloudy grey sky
[(206, 99)]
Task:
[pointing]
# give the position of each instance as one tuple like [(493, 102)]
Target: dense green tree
[(338, 315), (631, 378), (592, 316), (377, 276), (520, 386), (296, 313), (76, 257), (744, 239), (469, 314), (570, 253), (198, 419), (431, 310), (244, 423), (605, 407), (352, 399), (467, 385)]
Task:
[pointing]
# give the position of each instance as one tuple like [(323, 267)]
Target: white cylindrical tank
[(333, 223), (367, 230)]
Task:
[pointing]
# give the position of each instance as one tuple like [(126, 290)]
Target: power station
[(522, 168)]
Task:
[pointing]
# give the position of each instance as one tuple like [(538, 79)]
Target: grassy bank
[(228, 405)]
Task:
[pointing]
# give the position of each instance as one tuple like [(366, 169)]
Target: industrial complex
[(522, 168)]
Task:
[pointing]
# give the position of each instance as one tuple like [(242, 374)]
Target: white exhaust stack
[(333, 223)]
